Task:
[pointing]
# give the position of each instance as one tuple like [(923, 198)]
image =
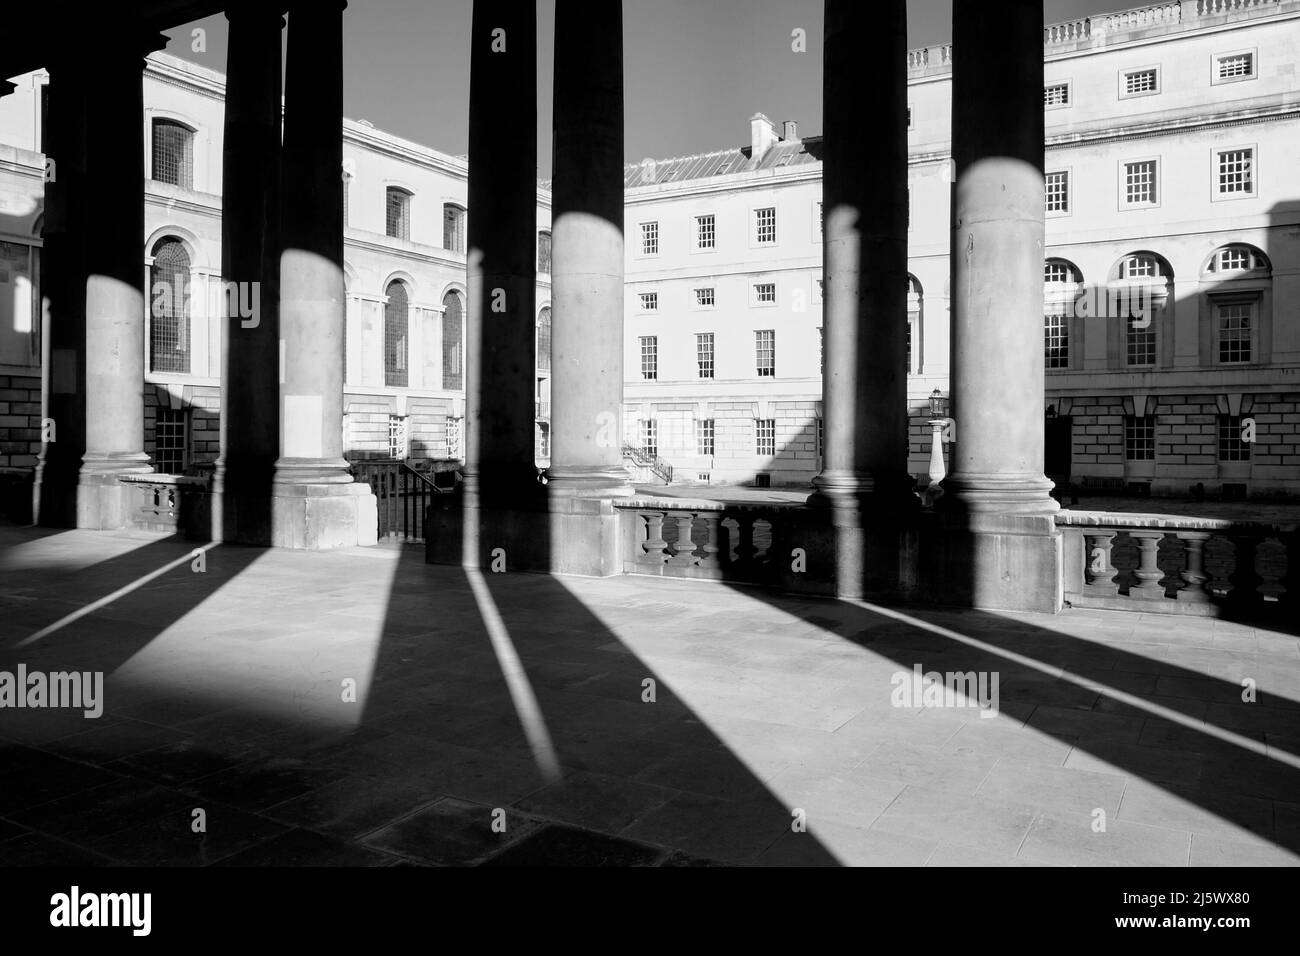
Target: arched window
[(1061, 281), (169, 307), (913, 318), (453, 336), (1241, 277), (173, 153), (397, 213), (395, 338), (453, 227), (544, 252), (544, 338), (1139, 293)]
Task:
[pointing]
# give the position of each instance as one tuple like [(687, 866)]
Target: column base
[(999, 562), (103, 502), (319, 517), (1000, 494), (589, 482)]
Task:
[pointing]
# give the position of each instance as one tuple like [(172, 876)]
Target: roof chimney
[(762, 135), (789, 131)]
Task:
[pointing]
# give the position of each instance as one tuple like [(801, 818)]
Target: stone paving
[(520, 700)]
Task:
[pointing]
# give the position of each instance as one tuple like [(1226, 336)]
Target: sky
[(695, 71)]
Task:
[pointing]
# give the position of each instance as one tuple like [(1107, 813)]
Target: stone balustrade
[(174, 503), (1180, 565)]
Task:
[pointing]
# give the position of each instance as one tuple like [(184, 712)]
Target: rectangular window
[(765, 225), (1235, 172), (453, 228), (649, 238), (1057, 341), (649, 301), (765, 292), (1235, 66), (821, 437), (173, 154), (1231, 446), (650, 436), (765, 436), (765, 353), (1056, 95), (650, 357), (397, 213), (704, 232), (1234, 321), (1057, 191), (396, 436), (704, 436), (821, 349), (170, 441), (1139, 343), (704, 354), (1140, 183), (1141, 82), (704, 298), (1139, 438), (821, 222)]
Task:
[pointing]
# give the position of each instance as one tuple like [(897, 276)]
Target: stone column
[(587, 252), (250, 266), (63, 287), (316, 504), (115, 279), (864, 190), (997, 261), (502, 269), (1002, 548)]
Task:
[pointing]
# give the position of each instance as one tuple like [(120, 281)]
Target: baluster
[(654, 543), (709, 557), (1193, 589), (1099, 573), (745, 549), (1244, 579), (1148, 571), (683, 552)]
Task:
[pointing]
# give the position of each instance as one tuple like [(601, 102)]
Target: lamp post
[(938, 421)]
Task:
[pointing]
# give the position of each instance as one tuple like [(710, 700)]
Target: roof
[(799, 152)]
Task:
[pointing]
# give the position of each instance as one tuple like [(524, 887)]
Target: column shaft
[(63, 287), (864, 186), (587, 251), (311, 263), (502, 268), (115, 279), (250, 254), (997, 260)]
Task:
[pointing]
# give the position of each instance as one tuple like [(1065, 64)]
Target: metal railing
[(656, 465), (402, 495)]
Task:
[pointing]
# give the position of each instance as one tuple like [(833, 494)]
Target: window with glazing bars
[(1235, 171), (169, 322), (1056, 94), (649, 357), (1139, 437), (1231, 446), (704, 297), (173, 153), (650, 301), (396, 436), (397, 213), (704, 436), (1057, 192), (1234, 331), (765, 292), (1056, 346), (649, 238), (1140, 182), (453, 227), (544, 338), (650, 436), (1141, 81), (170, 441), (704, 232), (453, 332), (704, 354), (765, 353), (396, 322), (765, 436), (1139, 343), (544, 253), (765, 224), (1236, 65)]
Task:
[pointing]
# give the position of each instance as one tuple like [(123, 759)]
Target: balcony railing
[(1180, 565), (706, 539), (174, 503), (650, 462)]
